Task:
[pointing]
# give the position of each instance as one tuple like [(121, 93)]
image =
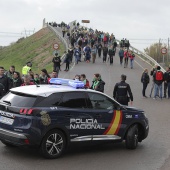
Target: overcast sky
[(141, 21)]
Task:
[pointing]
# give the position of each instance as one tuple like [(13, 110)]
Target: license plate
[(6, 120)]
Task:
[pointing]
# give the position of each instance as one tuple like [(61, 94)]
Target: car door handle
[(68, 115), (98, 116)]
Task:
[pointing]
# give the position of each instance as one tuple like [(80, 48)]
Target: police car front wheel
[(132, 137), (53, 144)]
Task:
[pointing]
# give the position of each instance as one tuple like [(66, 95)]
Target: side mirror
[(118, 107)]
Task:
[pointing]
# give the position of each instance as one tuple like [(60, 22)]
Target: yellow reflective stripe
[(115, 124)]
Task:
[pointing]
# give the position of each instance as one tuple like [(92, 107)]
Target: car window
[(50, 101), (100, 101), (73, 100), (19, 100)]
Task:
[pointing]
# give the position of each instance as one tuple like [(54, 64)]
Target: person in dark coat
[(4, 83), (56, 63), (122, 91), (105, 52), (97, 83), (145, 80), (111, 54), (67, 60), (44, 77), (16, 80)]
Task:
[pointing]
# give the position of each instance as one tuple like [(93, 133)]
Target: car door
[(77, 118), (105, 115)]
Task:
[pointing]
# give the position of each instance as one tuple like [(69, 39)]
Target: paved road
[(151, 154)]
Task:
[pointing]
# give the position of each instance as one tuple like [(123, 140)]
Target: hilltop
[(38, 48)]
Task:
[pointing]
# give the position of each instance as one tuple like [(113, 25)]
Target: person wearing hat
[(122, 92), (26, 68)]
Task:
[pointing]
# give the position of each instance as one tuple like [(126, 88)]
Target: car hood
[(132, 109)]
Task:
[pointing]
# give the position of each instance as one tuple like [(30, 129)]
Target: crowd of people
[(158, 79), (85, 45), (12, 78)]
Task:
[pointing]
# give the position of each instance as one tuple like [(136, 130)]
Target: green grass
[(37, 48)]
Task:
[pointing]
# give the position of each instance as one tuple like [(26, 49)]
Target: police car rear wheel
[(53, 144), (132, 137)]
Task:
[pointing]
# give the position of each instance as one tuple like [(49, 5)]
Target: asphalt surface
[(152, 154)]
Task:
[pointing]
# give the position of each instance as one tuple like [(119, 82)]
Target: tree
[(155, 51)]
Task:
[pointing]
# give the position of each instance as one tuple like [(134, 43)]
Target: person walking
[(153, 83), (167, 82), (158, 79), (126, 56), (87, 51), (105, 52), (99, 49), (122, 91), (131, 56), (97, 83), (93, 53), (56, 63), (145, 81), (121, 55), (111, 54), (67, 60), (77, 55)]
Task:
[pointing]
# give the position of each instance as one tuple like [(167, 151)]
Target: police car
[(52, 116)]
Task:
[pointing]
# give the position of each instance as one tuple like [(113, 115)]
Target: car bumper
[(13, 137)]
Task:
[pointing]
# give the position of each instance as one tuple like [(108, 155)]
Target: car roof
[(44, 90)]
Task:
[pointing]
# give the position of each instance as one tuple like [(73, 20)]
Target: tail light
[(25, 111)]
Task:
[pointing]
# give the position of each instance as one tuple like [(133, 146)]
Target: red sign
[(164, 50), (56, 46)]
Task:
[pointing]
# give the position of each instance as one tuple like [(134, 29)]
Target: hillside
[(37, 48)]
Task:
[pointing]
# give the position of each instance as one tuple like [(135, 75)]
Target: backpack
[(159, 75), (87, 50)]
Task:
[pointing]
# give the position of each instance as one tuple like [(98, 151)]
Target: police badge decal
[(45, 118)]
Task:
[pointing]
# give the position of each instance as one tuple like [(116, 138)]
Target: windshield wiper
[(7, 102)]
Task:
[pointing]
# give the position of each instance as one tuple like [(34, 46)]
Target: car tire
[(53, 144), (132, 137), (7, 144)]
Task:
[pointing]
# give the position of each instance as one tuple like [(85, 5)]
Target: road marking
[(139, 64)]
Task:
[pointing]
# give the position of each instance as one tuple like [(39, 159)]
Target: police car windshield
[(19, 100)]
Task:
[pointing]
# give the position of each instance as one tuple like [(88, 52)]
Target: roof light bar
[(68, 82)]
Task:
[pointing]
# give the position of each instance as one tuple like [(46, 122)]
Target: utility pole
[(168, 52), (159, 48)]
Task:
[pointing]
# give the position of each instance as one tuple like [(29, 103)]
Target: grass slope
[(37, 48)]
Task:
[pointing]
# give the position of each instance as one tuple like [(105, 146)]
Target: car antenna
[(37, 84)]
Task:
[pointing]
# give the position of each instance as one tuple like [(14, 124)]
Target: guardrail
[(149, 60), (59, 36)]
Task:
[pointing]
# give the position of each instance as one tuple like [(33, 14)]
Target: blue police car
[(52, 116)]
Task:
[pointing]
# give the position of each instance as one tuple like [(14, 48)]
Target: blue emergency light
[(68, 82)]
